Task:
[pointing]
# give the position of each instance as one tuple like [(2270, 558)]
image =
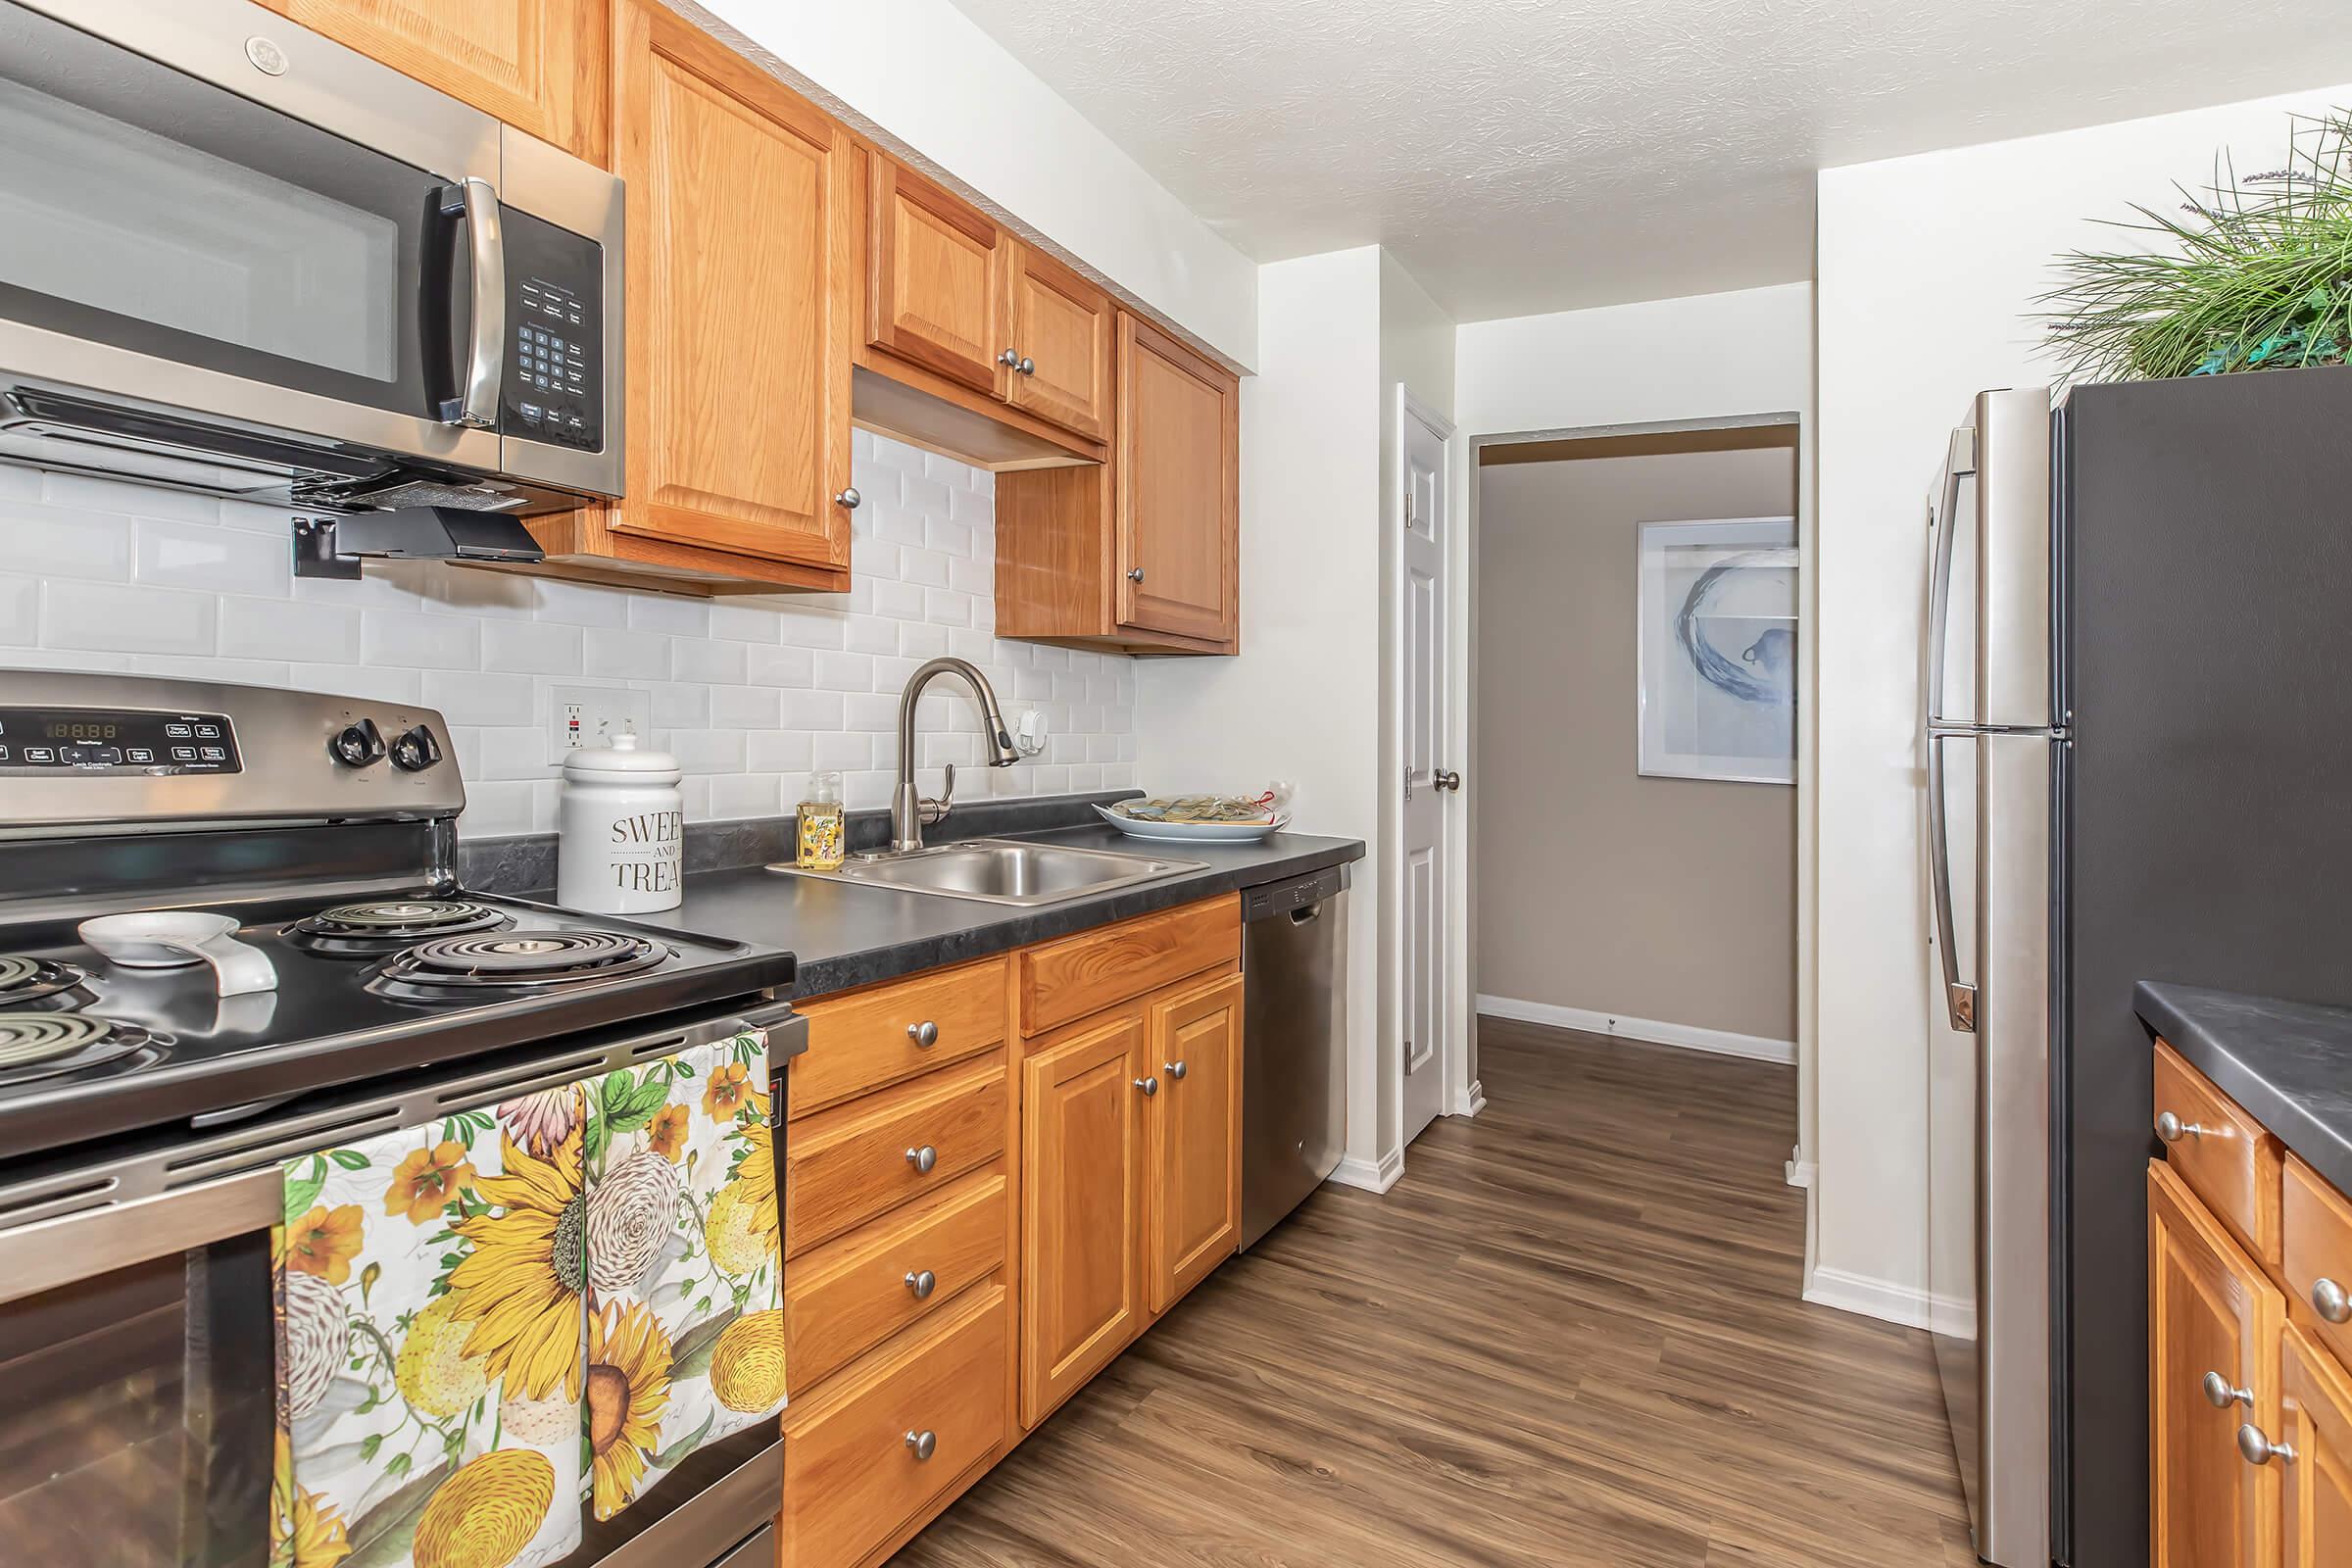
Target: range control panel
[(35, 741), (555, 382)]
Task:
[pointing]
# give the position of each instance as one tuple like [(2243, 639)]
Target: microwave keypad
[(555, 369)]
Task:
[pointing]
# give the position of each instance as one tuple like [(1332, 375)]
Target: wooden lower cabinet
[(2316, 1410), (1082, 1113), (1193, 1190)]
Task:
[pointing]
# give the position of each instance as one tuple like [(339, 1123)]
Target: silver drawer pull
[(925, 1034), (924, 1444), (2221, 1396), (924, 1281), (923, 1158), (2255, 1449), (2329, 1300), (2172, 1129)]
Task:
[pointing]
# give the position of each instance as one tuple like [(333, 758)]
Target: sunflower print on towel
[(685, 1263), (432, 1298)]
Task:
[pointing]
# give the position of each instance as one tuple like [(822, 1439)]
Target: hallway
[(1570, 1335)]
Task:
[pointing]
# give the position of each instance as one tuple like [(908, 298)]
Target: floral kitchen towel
[(432, 1299), (685, 1263)]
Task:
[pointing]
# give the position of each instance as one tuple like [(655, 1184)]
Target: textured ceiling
[(1522, 155)]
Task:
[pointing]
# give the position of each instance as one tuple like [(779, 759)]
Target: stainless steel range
[(214, 964)]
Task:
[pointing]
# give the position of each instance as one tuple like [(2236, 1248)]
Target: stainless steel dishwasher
[(1294, 1042)]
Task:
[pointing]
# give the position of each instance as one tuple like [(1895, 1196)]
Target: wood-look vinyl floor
[(1570, 1335)]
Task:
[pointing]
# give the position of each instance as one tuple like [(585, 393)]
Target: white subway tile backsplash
[(752, 693)]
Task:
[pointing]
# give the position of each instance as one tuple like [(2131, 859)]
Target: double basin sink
[(1002, 871)]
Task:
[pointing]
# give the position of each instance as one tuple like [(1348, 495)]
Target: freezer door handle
[(1959, 463), (1959, 996)]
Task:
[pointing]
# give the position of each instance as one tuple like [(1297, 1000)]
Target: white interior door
[(1432, 783)]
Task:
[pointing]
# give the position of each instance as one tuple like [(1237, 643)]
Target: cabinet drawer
[(851, 1294), (2221, 1152), (876, 1037), (845, 1165), (2317, 1225), (853, 1472), (1066, 980)]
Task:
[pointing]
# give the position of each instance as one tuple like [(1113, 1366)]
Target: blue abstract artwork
[(1718, 626)]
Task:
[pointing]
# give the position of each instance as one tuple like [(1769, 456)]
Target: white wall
[(750, 693), (925, 77), (1710, 355), (1302, 701), (1929, 270)]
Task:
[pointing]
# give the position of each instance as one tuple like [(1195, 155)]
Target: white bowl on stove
[(175, 938)]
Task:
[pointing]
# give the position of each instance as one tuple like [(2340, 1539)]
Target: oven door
[(179, 232)]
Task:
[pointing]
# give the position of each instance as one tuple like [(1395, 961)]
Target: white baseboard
[(1371, 1177), (1690, 1037), (1889, 1302), (1801, 1172), (1470, 1102)]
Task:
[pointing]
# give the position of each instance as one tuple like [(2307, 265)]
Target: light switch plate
[(591, 715)]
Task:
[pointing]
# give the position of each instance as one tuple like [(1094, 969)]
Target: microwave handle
[(474, 203)]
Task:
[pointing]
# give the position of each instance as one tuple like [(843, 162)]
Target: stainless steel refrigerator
[(2136, 736)]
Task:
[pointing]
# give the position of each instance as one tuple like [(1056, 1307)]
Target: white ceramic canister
[(621, 830)]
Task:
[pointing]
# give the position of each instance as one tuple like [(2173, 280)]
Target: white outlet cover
[(1029, 733), (587, 717)]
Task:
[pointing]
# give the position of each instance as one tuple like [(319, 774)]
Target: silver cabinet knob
[(2172, 1129), (1027, 367), (1149, 1086), (2221, 1396), (923, 1158), (848, 500), (925, 1034), (1174, 1069), (1010, 359), (2255, 1449), (924, 1281), (1135, 574), (1445, 780), (2327, 1299), (924, 1444)]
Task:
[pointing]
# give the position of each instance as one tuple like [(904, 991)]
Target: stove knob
[(416, 750), (359, 745)]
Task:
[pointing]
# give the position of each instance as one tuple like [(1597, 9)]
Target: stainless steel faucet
[(908, 811)]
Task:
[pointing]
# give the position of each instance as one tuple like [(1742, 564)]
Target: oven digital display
[(35, 742)]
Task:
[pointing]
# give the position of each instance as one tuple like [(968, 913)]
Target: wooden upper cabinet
[(2317, 1412), (2210, 1311), (936, 269), (739, 336), (1193, 1181), (1082, 1120), (1178, 478), (1061, 328), (538, 65)]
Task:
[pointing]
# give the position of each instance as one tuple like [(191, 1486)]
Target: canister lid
[(624, 758)]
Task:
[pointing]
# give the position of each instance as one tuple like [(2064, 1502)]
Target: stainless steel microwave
[(240, 258)]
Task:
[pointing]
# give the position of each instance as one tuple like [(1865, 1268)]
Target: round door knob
[(923, 1158), (1027, 367), (2172, 1129), (1445, 780), (2255, 1449), (925, 1034), (1135, 574), (1174, 1069), (1010, 359), (923, 1282), (924, 1444), (357, 744), (1149, 1086), (848, 500), (416, 750), (2221, 1396), (2327, 1299)]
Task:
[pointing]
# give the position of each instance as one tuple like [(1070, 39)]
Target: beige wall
[(1665, 899)]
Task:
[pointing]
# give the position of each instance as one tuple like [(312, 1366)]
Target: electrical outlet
[(591, 715)]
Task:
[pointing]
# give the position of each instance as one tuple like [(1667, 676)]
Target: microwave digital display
[(555, 382)]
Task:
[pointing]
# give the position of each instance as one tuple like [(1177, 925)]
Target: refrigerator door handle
[(1959, 997), (1959, 463)]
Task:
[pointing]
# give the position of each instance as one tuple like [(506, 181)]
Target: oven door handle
[(473, 202), (44, 1255)]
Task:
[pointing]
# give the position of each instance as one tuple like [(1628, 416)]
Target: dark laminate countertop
[(846, 935), (2289, 1063)]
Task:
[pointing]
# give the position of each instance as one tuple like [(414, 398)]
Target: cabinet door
[(935, 279), (1061, 328), (1193, 1186), (1082, 1126), (2316, 1411), (538, 65), (1179, 487), (738, 342), (2210, 1310)]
